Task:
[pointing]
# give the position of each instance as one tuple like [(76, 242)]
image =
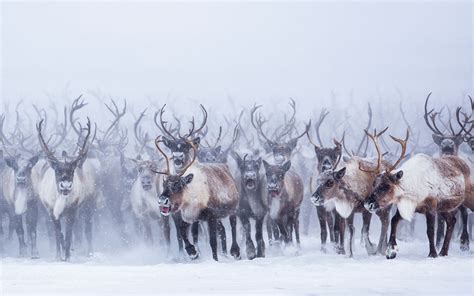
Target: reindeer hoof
[(464, 246), (235, 252), (323, 249), (192, 253), (433, 254), (391, 252), (443, 253), (371, 249)]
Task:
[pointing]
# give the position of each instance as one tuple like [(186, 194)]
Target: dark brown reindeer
[(207, 192), (285, 192), (412, 189), (327, 159), (348, 187)]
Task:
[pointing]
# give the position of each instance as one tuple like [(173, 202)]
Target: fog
[(251, 52)]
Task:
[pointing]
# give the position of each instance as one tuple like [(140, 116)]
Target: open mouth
[(146, 187), (165, 210), (250, 183), (371, 207), (178, 162), (21, 184), (65, 192), (273, 193)]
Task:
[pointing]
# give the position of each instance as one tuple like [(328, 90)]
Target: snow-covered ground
[(288, 271)]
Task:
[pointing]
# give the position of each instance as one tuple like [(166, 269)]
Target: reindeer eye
[(384, 188), (330, 183)]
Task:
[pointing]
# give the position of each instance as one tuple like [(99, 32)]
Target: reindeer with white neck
[(65, 186), (207, 192), (423, 184)]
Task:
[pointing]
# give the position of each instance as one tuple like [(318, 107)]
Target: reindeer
[(66, 186), (281, 152), (208, 192), (412, 189), (448, 144), (143, 198), (285, 192), (253, 202), (326, 160), (347, 188)]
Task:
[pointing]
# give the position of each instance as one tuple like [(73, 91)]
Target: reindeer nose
[(317, 199), (65, 185), (251, 175)]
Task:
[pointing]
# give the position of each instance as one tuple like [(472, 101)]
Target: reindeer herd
[(181, 169)]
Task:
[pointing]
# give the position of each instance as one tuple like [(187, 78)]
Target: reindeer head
[(146, 172), (170, 198), (329, 186), (22, 168), (281, 150), (180, 146), (383, 193), (276, 178), (249, 171), (64, 170), (447, 142), (129, 171)]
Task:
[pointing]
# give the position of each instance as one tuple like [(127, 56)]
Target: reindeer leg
[(369, 246), (177, 223), (166, 231), (59, 237), (269, 225), (195, 232), (248, 239), (283, 231), (296, 219), (88, 212), (322, 217), (31, 222), (212, 225), (190, 249), (392, 248), (234, 249), (70, 218), (329, 218), (440, 230), (259, 237), (430, 223), (222, 236), (289, 226), (350, 225), (20, 233), (148, 232), (464, 234), (450, 218), (384, 219), (339, 231), (78, 230)]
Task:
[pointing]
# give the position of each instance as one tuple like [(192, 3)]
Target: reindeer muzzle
[(371, 205), (165, 205), (317, 199)]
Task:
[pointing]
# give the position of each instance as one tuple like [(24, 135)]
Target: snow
[(284, 271)]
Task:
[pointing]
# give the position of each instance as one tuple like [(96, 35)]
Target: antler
[(49, 154), (402, 143), (317, 125), (257, 122), (364, 138), (158, 140), (374, 137), (162, 125), (77, 104), (192, 130), (431, 116), (84, 148), (114, 109)]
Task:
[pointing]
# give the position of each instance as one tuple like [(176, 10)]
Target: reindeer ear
[(259, 162), (34, 160), (266, 165), (437, 139), (398, 175), (268, 146), (286, 166), (167, 142), (293, 143), (458, 140), (11, 162), (196, 141), (340, 174), (188, 178), (218, 149)]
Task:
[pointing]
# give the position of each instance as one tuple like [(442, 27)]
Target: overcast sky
[(263, 51)]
